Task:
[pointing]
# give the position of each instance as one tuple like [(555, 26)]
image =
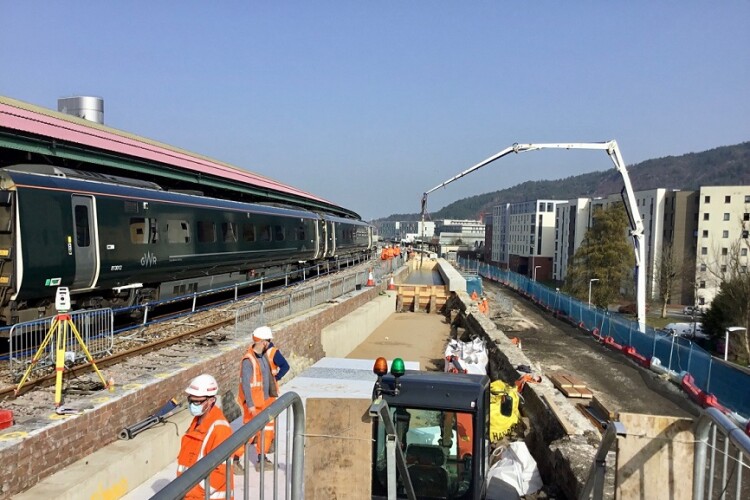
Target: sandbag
[(517, 468), (504, 413)]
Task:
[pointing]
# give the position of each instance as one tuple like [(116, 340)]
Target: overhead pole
[(636, 223)]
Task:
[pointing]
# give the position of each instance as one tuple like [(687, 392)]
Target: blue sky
[(369, 104)]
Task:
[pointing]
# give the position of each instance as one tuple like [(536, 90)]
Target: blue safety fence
[(725, 381)]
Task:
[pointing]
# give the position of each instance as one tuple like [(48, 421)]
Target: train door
[(84, 242), (331, 238)]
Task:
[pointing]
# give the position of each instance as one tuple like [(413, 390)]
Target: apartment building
[(526, 237)]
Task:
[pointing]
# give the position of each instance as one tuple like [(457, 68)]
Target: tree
[(731, 305), (605, 254), (671, 273)]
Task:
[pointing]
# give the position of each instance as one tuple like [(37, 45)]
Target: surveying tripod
[(59, 328)]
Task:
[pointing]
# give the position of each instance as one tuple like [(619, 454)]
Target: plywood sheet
[(654, 461), (337, 448)]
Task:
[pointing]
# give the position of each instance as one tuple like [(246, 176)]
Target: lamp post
[(726, 338), (535, 268), (591, 281)]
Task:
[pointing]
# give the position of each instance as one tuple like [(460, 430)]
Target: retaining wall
[(40, 447)]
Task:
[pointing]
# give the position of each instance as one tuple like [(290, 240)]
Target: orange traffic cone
[(391, 284), (370, 280)]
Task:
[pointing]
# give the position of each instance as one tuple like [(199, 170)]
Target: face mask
[(196, 409)]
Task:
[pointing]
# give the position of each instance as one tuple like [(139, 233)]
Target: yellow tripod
[(59, 328)]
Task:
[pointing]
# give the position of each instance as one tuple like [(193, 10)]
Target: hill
[(722, 166)]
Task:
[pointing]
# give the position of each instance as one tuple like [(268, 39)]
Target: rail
[(224, 453), (736, 448)]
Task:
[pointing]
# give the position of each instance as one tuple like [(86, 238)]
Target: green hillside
[(726, 165)]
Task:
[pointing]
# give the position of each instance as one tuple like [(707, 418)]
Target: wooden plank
[(601, 409), (570, 385), (564, 422), (654, 459), (337, 448)]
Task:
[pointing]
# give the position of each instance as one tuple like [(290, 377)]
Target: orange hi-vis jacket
[(474, 295), (199, 440), (396, 252), (259, 398), (256, 383), (384, 254)]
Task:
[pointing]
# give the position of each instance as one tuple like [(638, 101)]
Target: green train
[(116, 242)]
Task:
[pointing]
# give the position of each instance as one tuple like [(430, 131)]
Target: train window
[(229, 232), (265, 233), (206, 232), (248, 232), (143, 230), (83, 236), (178, 231), (278, 233), (301, 233)]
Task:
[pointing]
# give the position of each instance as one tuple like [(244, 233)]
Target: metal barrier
[(674, 353), (223, 454), (96, 327), (735, 449), (277, 308)]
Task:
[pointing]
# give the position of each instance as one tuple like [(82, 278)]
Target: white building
[(572, 220), (722, 237), (469, 232), (525, 236)]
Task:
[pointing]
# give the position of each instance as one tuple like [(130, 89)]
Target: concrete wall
[(343, 336), (38, 448), (563, 459)]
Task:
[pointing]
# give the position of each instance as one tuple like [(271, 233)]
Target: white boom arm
[(636, 224)]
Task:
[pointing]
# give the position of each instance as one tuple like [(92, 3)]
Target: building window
[(726, 216), (725, 234), (705, 233), (707, 199), (702, 284), (704, 250), (746, 216), (705, 216), (743, 269), (724, 251), (745, 233), (727, 199), (743, 252), (723, 268), (701, 301), (747, 198), (703, 268)]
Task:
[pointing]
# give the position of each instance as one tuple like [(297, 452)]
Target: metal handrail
[(395, 455), (201, 470), (595, 479), (713, 419)]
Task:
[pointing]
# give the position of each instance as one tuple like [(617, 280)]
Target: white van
[(686, 330)]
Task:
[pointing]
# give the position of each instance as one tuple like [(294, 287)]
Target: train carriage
[(117, 241)]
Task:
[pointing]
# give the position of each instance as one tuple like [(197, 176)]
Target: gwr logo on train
[(148, 259)]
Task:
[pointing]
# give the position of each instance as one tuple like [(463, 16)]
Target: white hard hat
[(203, 385), (263, 333)]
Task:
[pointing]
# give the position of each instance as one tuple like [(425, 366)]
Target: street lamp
[(535, 268), (591, 281), (726, 338)]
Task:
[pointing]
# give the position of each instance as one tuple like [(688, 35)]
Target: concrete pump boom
[(636, 224)]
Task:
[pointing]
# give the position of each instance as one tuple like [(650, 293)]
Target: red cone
[(370, 280)]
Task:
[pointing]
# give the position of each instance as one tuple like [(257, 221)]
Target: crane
[(631, 206)]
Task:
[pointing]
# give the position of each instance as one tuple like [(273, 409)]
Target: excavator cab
[(442, 426)]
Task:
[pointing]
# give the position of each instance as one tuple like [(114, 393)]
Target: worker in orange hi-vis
[(257, 390), (486, 306), (474, 295), (384, 253), (207, 430), (389, 252)]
